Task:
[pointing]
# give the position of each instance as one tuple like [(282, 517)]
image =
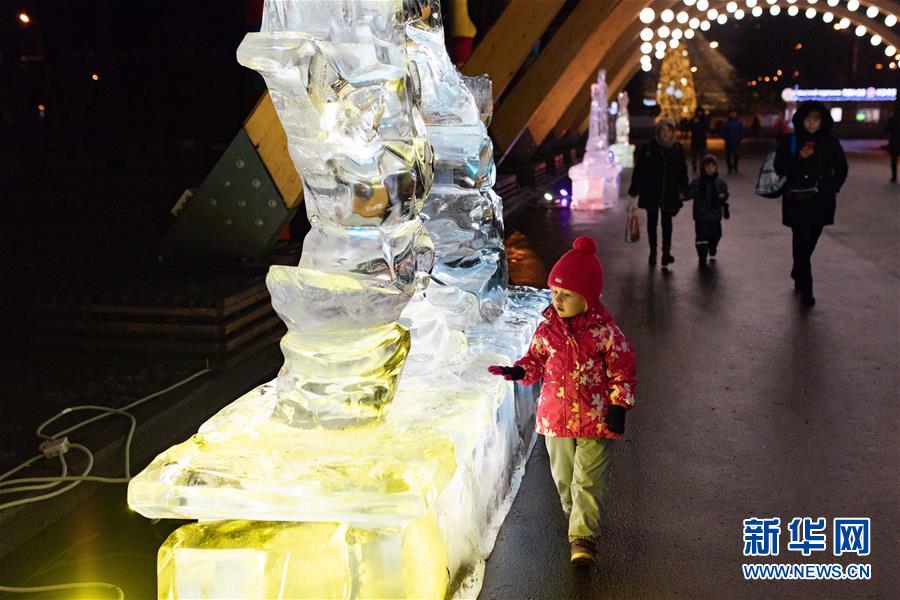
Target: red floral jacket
[(586, 364)]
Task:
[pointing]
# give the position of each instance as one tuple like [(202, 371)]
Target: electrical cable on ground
[(57, 445)]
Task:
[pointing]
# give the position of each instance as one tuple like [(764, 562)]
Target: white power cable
[(59, 450), (22, 484), (120, 595)]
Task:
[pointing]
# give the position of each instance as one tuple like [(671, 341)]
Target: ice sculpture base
[(438, 473), (624, 154), (254, 559)]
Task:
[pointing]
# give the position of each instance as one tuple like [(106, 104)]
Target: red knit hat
[(579, 270)]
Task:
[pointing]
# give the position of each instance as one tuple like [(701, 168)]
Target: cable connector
[(55, 447)]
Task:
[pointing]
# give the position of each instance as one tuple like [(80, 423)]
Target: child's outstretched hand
[(508, 373)]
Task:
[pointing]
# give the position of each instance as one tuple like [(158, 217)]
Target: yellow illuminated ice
[(283, 560)]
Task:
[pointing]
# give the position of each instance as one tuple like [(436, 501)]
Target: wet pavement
[(748, 405)]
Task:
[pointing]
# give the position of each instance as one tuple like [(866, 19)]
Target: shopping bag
[(632, 225)]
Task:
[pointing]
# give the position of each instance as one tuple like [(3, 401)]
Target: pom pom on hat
[(585, 244), (579, 270)]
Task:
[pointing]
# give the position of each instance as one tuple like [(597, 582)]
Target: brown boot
[(583, 550)]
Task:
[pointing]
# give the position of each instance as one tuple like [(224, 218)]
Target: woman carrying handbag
[(816, 168)]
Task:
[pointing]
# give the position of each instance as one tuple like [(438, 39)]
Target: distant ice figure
[(623, 150), (595, 181)]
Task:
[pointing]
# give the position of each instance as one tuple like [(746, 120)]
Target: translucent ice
[(595, 181), (623, 149)]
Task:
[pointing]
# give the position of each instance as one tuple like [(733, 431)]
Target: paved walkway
[(748, 405)]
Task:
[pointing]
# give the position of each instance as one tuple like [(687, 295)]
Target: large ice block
[(264, 560), (339, 74)]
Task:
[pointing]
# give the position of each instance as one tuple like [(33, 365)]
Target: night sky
[(828, 58)]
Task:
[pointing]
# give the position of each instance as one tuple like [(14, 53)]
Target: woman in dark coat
[(659, 181), (815, 166)]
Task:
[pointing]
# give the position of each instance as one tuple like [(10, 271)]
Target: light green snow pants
[(578, 466)]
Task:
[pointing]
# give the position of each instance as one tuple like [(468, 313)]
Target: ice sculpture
[(595, 181), (462, 213), (623, 150), (382, 460)]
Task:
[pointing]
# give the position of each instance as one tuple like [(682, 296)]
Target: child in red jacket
[(588, 368)]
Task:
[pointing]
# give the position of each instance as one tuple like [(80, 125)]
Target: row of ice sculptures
[(382, 460), (595, 181)]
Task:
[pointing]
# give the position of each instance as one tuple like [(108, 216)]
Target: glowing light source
[(704, 26), (757, 11), (852, 5), (548, 196), (660, 46), (798, 46), (731, 7), (890, 20), (667, 16), (647, 15), (676, 34), (564, 193), (646, 67), (890, 51), (833, 3), (693, 69), (682, 17), (95, 77), (690, 2), (793, 11), (674, 44), (778, 72), (647, 34), (860, 30), (694, 23), (714, 44), (702, 5), (646, 48), (663, 32), (24, 18), (810, 13), (775, 10), (722, 19), (844, 23), (828, 17), (41, 107), (876, 40), (872, 12), (712, 14), (751, 3), (689, 34)]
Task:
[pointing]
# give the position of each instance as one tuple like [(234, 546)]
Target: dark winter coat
[(699, 126), (659, 177), (892, 129), (732, 132), (705, 192), (826, 169)]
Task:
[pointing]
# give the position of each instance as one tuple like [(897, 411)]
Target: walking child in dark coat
[(710, 195)]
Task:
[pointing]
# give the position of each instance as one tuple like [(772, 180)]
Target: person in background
[(710, 195), (892, 128), (588, 370), (659, 181), (816, 168), (699, 128), (733, 134)]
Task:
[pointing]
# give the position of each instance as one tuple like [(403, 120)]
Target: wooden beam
[(267, 134), (509, 41), (572, 58)]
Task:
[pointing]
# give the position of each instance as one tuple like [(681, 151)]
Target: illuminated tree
[(675, 93)]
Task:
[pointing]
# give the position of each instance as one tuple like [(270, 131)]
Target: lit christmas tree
[(675, 93)]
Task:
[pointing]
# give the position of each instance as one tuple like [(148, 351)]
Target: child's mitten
[(508, 373), (615, 419)]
